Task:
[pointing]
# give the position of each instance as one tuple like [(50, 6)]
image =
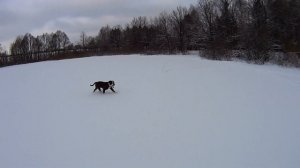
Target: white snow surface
[(176, 111)]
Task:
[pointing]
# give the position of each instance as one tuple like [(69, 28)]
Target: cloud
[(18, 17)]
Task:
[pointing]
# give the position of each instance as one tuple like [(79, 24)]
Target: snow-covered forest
[(220, 29)]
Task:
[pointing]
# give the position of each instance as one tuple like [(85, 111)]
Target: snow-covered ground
[(168, 112)]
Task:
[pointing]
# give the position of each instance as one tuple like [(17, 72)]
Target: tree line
[(220, 29)]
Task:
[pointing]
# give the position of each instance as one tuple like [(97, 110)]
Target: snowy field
[(168, 112)]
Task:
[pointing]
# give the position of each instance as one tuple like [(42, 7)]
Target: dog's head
[(111, 83)]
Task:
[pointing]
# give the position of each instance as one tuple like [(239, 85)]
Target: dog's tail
[(93, 84)]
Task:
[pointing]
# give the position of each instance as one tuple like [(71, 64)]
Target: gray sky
[(18, 17)]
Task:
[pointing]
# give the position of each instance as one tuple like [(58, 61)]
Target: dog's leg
[(103, 91), (95, 89), (112, 90)]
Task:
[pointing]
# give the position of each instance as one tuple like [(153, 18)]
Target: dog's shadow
[(106, 93)]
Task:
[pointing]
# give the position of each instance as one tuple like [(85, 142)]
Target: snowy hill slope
[(168, 112)]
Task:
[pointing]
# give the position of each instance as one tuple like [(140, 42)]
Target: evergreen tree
[(226, 27), (258, 35)]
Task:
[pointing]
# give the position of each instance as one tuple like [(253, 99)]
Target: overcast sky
[(18, 17)]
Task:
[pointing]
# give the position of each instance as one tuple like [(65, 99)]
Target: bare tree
[(45, 42), (15, 48), (139, 22), (116, 37), (62, 40), (103, 38), (138, 34), (27, 43), (226, 26), (164, 39), (258, 34), (83, 39), (3, 59), (193, 28), (208, 14), (179, 27), (2, 51)]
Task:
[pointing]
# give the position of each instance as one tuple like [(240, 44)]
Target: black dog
[(104, 85)]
